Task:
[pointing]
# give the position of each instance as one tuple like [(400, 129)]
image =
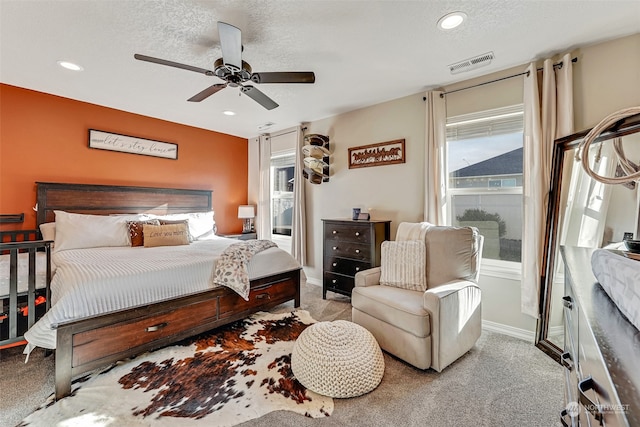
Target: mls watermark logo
[(573, 409)]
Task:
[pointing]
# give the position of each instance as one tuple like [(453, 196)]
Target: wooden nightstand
[(243, 236)]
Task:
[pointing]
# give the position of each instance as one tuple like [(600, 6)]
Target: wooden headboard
[(112, 199)]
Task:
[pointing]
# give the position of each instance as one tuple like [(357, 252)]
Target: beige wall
[(392, 192), (606, 78)]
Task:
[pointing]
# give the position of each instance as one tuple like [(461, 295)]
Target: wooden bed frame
[(96, 341)]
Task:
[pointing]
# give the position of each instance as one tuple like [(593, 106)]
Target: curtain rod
[(558, 65)]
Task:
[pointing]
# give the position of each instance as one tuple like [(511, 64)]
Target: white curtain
[(435, 161), (548, 115), (299, 224), (263, 220)]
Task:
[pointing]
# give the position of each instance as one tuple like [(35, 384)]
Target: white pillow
[(403, 265), (76, 231), (201, 224), (48, 230)]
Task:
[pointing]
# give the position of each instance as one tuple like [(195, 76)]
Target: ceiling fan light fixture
[(70, 66), (229, 113), (451, 20)]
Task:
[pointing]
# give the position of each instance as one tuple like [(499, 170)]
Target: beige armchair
[(427, 328)]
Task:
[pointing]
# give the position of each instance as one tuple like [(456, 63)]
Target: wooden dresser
[(602, 351), (350, 246)]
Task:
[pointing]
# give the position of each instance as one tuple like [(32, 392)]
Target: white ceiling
[(362, 52)]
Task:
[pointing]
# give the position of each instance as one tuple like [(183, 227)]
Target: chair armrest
[(433, 295), (456, 320), (368, 277)]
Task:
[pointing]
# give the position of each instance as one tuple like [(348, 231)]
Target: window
[(484, 168), (282, 168)]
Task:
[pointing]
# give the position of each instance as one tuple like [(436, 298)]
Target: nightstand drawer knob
[(334, 281), (357, 268), (357, 251), (335, 232), (334, 248), (357, 233), (334, 264)]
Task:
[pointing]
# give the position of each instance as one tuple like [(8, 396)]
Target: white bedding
[(99, 280), (23, 272)]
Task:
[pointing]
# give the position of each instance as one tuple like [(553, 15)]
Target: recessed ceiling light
[(451, 20), (70, 66), (228, 113)]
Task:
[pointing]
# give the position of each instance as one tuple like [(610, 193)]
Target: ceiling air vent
[(471, 63), (265, 126)]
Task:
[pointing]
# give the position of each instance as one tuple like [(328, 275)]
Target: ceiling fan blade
[(284, 77), (172, 64), (259, 97), (231, 44), (207, 92)]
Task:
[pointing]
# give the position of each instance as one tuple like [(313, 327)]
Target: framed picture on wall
[(131, 144), (382, 153)]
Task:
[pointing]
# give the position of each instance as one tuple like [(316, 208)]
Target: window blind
[(499, 121)]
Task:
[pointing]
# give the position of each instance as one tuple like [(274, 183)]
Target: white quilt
[(94, 281)]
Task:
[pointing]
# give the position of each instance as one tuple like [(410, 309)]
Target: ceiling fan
[(234, 71)]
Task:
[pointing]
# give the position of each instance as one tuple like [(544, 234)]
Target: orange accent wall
[(45, 138)]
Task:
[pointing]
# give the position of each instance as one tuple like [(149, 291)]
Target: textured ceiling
[(362, 52)]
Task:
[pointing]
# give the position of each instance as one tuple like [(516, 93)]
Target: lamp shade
[(246, 211)]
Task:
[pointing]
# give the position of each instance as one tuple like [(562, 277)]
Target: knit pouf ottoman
[(337, 359)]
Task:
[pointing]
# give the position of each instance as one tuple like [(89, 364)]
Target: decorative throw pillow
[(136, 232), (403, 265), (164, 221), (201, 224), (165, 235)]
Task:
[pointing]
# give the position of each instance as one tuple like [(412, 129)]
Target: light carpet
[(230, 375)]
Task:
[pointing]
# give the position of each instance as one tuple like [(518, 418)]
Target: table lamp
[(246, 213)]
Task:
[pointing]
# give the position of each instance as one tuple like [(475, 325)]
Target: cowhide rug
[(230, 375)]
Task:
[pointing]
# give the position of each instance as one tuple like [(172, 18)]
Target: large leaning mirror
[(584, 212)]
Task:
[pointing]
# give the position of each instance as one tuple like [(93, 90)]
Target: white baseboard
[(556, 331), (314, 281), (511, 331)]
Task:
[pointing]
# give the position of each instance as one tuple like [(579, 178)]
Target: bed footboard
[(16, 304), (90, 343)]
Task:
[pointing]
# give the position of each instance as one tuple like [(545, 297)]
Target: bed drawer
[(261, 297), (120, 337)]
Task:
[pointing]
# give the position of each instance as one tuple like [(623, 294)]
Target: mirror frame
[(621, 128)]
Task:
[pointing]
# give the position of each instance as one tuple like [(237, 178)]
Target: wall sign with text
[(383, 153), (131, 144)]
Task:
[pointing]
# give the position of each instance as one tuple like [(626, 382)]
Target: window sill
[(501, 269)]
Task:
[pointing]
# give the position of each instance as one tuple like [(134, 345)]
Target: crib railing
[(16, 304)]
